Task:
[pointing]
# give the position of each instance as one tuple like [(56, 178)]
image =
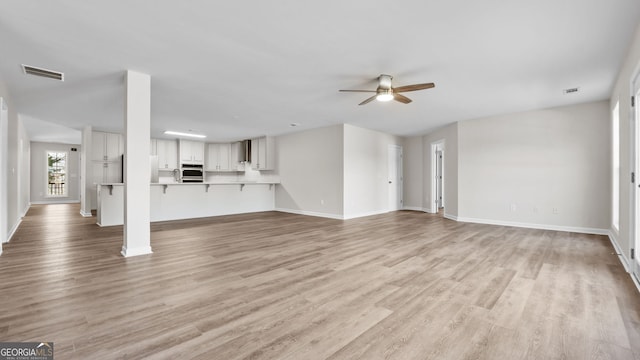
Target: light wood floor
[(405, 285)]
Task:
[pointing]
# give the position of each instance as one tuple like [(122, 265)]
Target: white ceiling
[(237, 69)]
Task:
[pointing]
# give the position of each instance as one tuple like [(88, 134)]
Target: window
[(56, 173), (615, 178)]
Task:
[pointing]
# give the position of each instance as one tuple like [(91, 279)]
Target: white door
[(439, 174), (395, 178), (635, 158)]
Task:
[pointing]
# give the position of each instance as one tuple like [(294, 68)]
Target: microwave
[(192, 173)]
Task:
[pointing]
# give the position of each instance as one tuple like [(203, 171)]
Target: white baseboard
[(452, 217), (128, 252), (17, 225), (331, 216), (45, 202), (84, 214), (574, 229), (635, 281), (25, 211), (14, 229), (359, 215), (416, 208), (621, 255), (628, 267), (310, 213)]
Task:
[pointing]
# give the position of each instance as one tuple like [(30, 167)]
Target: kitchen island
[(175, 201)]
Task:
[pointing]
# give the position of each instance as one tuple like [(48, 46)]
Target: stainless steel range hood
[(245, 155)]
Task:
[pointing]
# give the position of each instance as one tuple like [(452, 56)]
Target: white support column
[(137, 173), (86, 186), (4, 126)]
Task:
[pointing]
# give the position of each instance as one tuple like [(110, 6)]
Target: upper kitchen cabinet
[(191, 152), (262, 153), (219, 157), (106, 146), (167, 151)]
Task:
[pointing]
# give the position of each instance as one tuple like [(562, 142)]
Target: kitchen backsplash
[(248, 175)]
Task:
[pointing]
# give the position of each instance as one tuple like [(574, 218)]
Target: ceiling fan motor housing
[(384, 81)]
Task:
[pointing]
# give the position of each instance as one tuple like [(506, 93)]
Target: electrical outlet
[(555, 210), (535, 209), (513, 207), (321, 202)]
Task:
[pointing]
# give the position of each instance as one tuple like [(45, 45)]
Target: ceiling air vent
[(32, 70), (570, 91)]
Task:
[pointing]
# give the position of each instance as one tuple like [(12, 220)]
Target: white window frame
[(65, 191)]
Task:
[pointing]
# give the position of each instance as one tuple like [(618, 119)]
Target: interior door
[(439, 174), (395, 178)]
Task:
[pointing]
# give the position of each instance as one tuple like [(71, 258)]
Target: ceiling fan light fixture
[(385, 95)]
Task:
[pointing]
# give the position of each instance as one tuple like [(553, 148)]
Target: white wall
[(517, 168), (413, 162), (23, 169), (622, 93), (16, 166), (366, 183), (39, 172), (310, 166)]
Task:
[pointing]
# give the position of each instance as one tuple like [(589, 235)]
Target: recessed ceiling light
[(177, 133), (571, 90), (294, 124)]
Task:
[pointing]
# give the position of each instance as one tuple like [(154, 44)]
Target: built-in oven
[(192, 173)]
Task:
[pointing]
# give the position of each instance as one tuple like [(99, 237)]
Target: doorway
[(437, 176), (395, 178)]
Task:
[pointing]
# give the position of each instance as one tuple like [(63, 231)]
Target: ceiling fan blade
[(368, 100), (401, 98), (357, 90), (414, 87)]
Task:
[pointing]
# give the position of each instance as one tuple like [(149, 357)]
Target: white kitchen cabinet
[(167, 151), (262, 153), (218, 157), (107, 173), (191, 152), (106, 146), (103, 172), (106, 160)]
